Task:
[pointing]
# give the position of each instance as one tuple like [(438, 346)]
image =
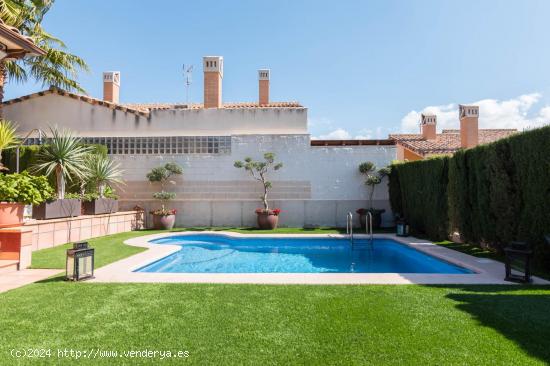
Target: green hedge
[(28, 154), (496, 193), (423, 188)]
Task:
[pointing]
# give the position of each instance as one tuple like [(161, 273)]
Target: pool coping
[(486, 271)]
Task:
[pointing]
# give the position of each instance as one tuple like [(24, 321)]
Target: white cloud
[(338, 134), (513, 113)]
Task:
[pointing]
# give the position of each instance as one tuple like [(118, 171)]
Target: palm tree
[(103, 172), (8, 138), (58, 67), (64, 156)]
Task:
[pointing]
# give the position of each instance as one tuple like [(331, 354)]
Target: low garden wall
[(50, 233), (491, 194)]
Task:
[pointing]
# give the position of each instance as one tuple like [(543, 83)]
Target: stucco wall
[(316, 186), (96, 120)]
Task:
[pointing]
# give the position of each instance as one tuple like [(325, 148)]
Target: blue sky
[(363, 68)]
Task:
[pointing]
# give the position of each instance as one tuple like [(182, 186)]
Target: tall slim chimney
[(111, 86), (428, 125), (469, 129), (213, 75), (263, 80)]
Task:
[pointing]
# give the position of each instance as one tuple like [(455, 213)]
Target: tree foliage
[(258, 170), (58, 67), (494, 193)]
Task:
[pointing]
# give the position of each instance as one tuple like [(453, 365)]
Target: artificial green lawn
[(261, 324), (253, 324)]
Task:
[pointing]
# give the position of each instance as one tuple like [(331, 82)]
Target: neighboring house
[(429, 142), (318, 184)]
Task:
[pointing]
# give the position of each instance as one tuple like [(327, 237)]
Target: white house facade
[(318, 184)]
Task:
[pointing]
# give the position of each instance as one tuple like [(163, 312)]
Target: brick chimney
[(469, 130), (263, 80), (111, 86), (427, 125), (213, 75)]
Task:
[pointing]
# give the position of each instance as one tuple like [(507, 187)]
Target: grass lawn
[(268, 324), (253, 324), (476, 251)]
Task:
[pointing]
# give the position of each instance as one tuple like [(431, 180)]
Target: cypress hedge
[(493, 193), (423, 187)]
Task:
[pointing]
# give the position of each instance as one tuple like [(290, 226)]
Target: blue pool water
[(204, 253)]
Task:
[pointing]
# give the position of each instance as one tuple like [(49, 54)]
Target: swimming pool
[(208, 253)]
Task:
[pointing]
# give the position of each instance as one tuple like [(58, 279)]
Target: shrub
[(162, 175), (495, 193), (423, 186), (24, 188)]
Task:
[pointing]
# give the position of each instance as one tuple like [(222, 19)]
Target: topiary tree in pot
[(374, 177), (267, 218), (164, 218)]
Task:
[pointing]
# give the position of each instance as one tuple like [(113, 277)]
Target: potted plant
[(65, 158), (267, 219), (102, 173), (164, 218), (18, 190), (374, 178), (8, 138)]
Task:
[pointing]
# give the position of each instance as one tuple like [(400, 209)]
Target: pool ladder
[(349, 227)]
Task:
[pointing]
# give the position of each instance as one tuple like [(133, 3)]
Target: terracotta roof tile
[(446, 142), (144, 109), (245, 105)]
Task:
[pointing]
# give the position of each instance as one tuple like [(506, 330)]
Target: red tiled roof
[(164, 106), (446, 142), (144, 109)]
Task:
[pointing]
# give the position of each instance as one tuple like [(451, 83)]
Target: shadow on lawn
[(522, 318)]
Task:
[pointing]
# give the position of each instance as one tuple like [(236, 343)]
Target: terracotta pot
[(376, 219), (267, 221), (11, 214), (164, 222)]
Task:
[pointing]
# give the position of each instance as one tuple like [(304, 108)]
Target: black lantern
[(80, 262), (518, 255), (402, 227)]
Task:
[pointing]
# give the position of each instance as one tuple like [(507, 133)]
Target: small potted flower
[(374, 177), (164, 218), (267, 219)]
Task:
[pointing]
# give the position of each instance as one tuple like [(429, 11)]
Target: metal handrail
[(40, 133), (368, 226), (349, 226)]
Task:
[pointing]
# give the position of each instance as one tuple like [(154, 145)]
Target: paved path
[(486, 271), (15, 279)]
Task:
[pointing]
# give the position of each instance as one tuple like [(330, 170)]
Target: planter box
[(100, 206), (56, 209), (11, 214)]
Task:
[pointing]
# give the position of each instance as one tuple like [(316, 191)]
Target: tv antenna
[(188, 74)]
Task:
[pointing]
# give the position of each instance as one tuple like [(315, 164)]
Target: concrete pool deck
[(487, 271)]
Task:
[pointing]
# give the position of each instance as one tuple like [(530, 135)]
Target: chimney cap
[(111, 77), (263, 74), (213, 64), (468, 110), (428, 118)]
